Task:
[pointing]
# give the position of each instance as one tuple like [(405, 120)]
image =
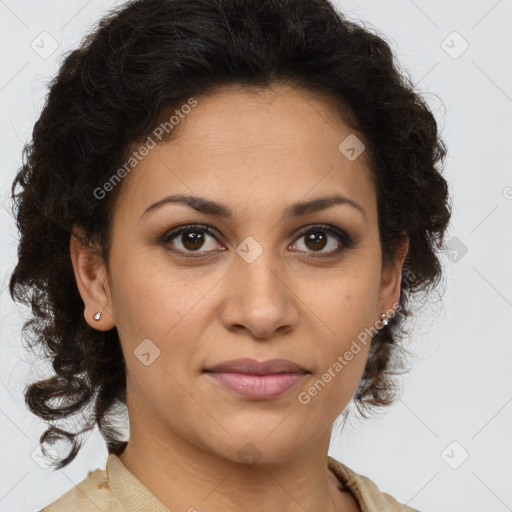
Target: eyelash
[(342, 237)]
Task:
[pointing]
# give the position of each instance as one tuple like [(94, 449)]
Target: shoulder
[(93, 493), (369, 497)]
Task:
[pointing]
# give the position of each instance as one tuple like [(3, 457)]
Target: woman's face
[(258, 285)]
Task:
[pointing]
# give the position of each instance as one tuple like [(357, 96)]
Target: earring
[(384, 319), (97, 316)]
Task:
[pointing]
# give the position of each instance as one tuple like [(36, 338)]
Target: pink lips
[(255, 380)]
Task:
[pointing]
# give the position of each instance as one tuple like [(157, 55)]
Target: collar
[(134, 496), (129, 491)]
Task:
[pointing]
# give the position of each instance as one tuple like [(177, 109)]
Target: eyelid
[(329, 228), (175, 232)]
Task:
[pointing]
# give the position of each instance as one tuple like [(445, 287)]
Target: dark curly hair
[(146, 58)]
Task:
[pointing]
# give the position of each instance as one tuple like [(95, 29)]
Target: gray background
[(446, 444)]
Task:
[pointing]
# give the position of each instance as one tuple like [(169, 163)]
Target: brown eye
[(187, 240), (195, 241), (316, 241), (318, 238), (192, 240)]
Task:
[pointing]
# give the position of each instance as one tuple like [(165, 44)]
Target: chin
[(259, 448)]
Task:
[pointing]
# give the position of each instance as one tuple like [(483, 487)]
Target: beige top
[(115, 489)]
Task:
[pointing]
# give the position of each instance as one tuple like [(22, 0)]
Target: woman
[(224, 211)]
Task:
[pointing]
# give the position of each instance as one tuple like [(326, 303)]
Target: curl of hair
[(146, 59)]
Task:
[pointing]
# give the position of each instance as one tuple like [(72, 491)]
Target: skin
[(255, 152)]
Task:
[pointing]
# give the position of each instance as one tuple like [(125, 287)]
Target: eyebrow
[(297, 209)]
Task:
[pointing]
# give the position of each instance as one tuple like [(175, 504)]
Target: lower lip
[(258, 387)]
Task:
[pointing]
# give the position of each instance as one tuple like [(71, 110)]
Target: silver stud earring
[(384, 319), (97, 315)]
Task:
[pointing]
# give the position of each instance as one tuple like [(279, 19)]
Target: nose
[(259, 299)]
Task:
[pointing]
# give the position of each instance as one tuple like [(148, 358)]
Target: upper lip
[(252, 366)]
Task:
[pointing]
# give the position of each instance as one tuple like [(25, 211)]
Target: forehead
[(250, 147)]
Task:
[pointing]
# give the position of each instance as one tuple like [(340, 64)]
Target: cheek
[(147, 300), (326, 393), (347, 303), (344, 356), (347, 313), (156, 321)]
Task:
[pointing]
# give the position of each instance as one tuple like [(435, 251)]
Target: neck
[(184, 476)]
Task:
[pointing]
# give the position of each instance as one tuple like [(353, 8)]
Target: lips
[(256, 380), (253, 367)]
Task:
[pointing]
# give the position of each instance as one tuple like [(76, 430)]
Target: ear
[(92, 281), (391, 280)]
